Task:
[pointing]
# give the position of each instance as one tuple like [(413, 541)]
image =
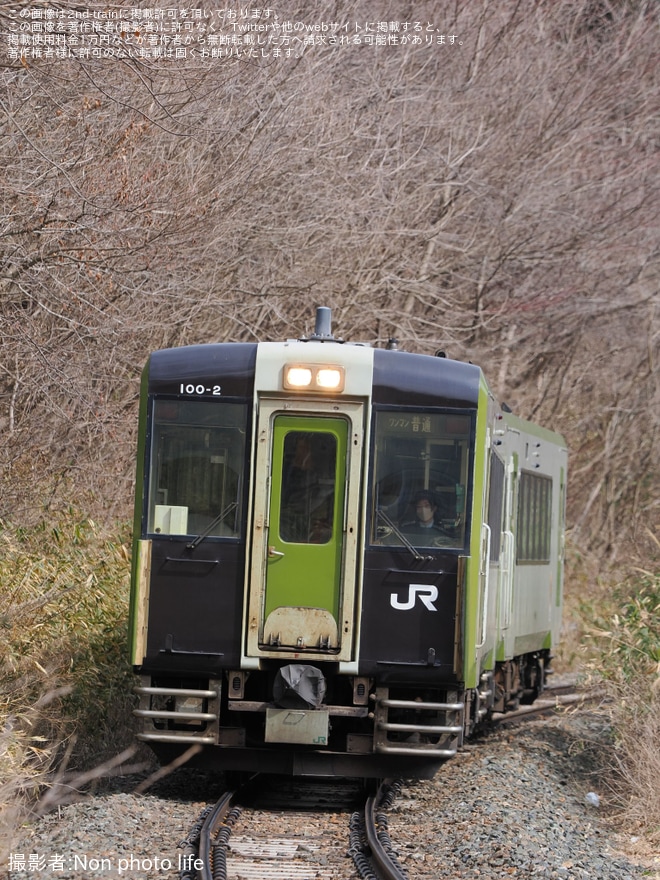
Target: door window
[(309, 465)]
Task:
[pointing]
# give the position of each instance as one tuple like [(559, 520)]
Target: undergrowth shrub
[(627, 635), (65, 681)]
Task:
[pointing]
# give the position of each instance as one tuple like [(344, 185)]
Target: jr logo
[(427, 595)]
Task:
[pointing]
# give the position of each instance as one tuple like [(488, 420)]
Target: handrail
[(485, 561)]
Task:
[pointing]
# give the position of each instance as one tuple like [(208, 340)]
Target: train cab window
[(421, 478), (197, 463)]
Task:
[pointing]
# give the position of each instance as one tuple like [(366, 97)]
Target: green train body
[(345, 558)]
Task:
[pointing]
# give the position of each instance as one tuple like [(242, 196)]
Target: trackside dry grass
[(627, 636), (65, 682)]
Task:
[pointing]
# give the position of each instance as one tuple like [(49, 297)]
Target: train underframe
[(362, 727)]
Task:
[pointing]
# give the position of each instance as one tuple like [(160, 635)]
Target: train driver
[(425, 510)]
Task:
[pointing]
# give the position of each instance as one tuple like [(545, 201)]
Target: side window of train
[(534, 519), (196, 467), (421, 478), (495, 505)]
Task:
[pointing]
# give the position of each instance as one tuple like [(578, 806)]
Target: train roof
[(418, 378)]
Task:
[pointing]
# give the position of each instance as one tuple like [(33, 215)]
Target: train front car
[(314, 590)]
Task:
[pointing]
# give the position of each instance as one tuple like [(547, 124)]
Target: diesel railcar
[(345, 558)]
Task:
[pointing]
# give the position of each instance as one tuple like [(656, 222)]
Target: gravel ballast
[(512, 804)]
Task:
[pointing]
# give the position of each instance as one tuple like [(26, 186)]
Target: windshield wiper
[(207, 531), (406, 543)]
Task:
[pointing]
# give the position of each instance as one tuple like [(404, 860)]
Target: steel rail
[(540, 705), (212, 852), (380, 846), (370, 844)]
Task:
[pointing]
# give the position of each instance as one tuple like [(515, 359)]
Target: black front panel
[(194, 512), (408, 617), (195, 605), (420, 476)]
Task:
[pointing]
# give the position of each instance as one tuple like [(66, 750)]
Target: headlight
[(297, 377), (330, 378), (313, 377)]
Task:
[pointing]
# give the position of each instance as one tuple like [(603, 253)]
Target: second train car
[(345, 558)]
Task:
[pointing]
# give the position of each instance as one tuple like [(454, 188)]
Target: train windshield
[(421, 478), (197, 463)]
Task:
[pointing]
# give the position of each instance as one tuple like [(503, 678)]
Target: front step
[(428, 729)]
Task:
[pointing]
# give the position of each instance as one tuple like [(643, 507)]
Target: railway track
[(229, 842), (233, 839), (556, 696)]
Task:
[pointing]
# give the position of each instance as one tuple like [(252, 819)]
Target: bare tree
[(495, 194)]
